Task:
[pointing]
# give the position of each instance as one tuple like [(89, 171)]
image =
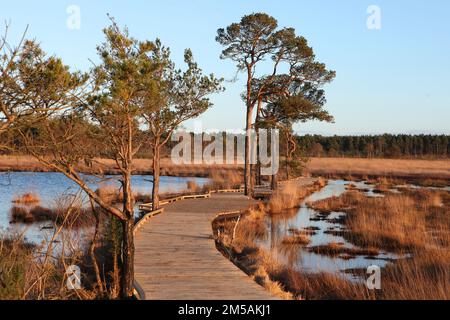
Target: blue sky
[(392, 80)]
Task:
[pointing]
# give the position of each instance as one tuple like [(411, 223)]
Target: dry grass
[(65, 214), (417, 221), (435, 169), (27, 198), (225, 179), (112, 195), (34, 272), (289, 195), (279, 279), (309, 231), (297, 239), (192, 186), (108, 166), (30, 272), (109, 194), (19, 214), (425, 276), (398, 222), (337, 249), (15, 255), (244, 253)]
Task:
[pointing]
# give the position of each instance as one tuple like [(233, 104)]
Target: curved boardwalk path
[(176, 257)]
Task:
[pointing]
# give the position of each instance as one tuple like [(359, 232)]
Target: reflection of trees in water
[(279, 225)]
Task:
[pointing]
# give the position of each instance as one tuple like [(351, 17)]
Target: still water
[(51, 186), (300, 257)]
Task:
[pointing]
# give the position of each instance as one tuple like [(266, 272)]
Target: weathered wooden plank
[(176, 257)]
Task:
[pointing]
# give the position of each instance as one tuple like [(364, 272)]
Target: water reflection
[(52, 186), (305, 219)]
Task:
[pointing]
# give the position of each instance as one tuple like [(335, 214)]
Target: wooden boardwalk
[(176, 257)]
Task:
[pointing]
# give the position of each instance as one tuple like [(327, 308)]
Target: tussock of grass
[(225, 179), (68, 216), (192, 186), (18, 213), (27, 198), (310, 231), (336, 249), (297, 239), (290, 195)]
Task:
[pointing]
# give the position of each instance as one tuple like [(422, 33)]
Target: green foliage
[(250, 40), (291, 91), (382, 146), (180, 95)]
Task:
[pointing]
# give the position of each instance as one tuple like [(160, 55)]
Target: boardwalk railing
[(149, 206), (146, 217)]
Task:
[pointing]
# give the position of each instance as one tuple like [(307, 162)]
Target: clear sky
[(392, 80)]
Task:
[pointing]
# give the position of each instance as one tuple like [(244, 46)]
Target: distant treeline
[(366, 146), (380, 146)]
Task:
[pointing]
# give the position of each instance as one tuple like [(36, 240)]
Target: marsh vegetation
[(322, 249)]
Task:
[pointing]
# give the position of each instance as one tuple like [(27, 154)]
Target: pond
[(305, 218), (51, 186)]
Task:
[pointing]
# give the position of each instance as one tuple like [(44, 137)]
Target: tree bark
[(248, 126), (92, 248), (258, 160), (127, 259), (156, 177), (287, 157), (273, 184), (127, 278), (247, 168)]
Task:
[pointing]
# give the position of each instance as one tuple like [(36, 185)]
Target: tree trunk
[(258, 160), (127, 278), (116, 274), (273, 184), (92, 248), (247, 168), (287, 157), (248, 126), (156, 174)]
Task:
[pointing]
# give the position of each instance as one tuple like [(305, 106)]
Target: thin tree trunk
[(114, 292), (258, 160), (247, 167), (127, 278), (287, 157), (293, 149), (248, 126), (273, 184), (92, 248), (156, 176), (127, 259)]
